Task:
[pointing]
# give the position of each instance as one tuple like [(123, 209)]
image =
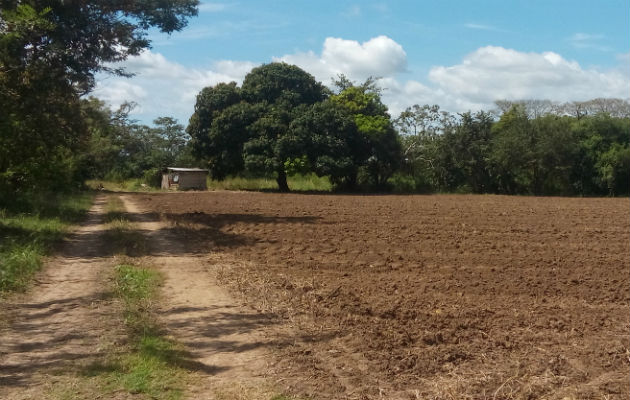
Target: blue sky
[(459, 54)]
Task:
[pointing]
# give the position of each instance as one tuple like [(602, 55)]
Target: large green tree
[(384, 153), (603, 151), (249, 128), (461, 158), (78, 38), (284, 92), (49, 53), (332, 144)]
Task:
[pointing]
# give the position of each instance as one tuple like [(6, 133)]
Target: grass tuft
[(153, 365), (298, 183), (129, 185), (135, 285)]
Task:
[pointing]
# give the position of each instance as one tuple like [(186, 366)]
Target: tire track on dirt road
[(225, 342), (58, 326)]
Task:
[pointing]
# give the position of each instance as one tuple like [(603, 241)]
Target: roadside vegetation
[(30, 227), (125, 185), (152, 364), (297, 182), (147, 364)]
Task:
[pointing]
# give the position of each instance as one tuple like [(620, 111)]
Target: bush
[(153, 177), (402, 183)]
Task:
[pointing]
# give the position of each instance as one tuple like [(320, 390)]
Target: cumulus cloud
[(379, 56), (483, 76), (162, 87), (492, 73), (119, 89)]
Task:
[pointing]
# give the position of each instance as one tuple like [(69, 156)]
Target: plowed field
[(426, 296)]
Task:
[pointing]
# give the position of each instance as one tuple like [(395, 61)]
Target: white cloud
[(624, 58), (492, 73), (379, 56), (582, 40), (211, 7), (115, 89), (163, 87), (483, 76), (483, 27)]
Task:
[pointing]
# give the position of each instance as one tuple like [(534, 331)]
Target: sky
[(462, 55)]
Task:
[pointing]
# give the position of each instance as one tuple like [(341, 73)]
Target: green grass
[(298, 183), (128, 185), (135, 285), (152, 365), (30, 227)]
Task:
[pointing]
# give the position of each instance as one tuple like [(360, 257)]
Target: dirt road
[(67, 321), (226, 341), (59, 325)]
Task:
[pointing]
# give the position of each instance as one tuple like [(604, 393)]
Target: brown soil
[(419, 296), (59, 326)]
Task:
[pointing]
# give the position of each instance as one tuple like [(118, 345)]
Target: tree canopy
[(532, 147), (251, 127), (49, 53), (282, 120), (384, 151), (279, 121)]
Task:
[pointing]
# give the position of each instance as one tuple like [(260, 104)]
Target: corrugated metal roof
[(174, 169)]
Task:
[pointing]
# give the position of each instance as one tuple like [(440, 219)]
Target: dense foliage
[(49, 53), (523, 150), (282, 121), (119, 148)]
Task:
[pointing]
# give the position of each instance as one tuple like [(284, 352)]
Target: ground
[(366, 297)]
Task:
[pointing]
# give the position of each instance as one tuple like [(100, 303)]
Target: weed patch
[(149, 366), (299, 183)]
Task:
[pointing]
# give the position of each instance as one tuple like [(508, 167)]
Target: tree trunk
[(283, 186)]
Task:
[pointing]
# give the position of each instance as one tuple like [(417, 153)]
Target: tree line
[(519, 152), (282, 121)]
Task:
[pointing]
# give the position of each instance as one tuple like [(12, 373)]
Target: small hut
[(184, 178)]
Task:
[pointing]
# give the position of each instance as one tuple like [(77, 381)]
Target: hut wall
[(192, 180)]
